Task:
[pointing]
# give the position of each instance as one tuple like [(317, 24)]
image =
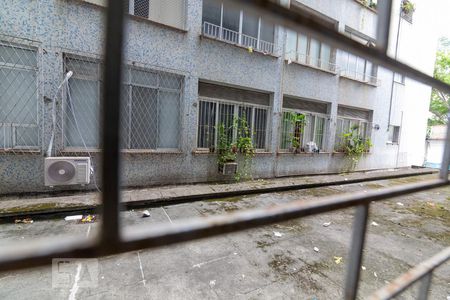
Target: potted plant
[(354, 146), (407, 10), (226, 153)]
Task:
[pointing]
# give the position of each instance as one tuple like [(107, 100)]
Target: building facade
[(191, 65)]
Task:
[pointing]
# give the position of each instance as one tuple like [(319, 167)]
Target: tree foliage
[(440, 101)]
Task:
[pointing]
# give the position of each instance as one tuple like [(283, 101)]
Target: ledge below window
[(311, 67), (207, 152), (359, 81), (20, 151), (202, 36), (301, 153), (126, 151)]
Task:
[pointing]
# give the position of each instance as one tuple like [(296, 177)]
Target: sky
[(443, 19)]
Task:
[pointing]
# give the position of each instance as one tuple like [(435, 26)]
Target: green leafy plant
[(298, 122), (408, 7), (225, 151), (354, 146), (245, 148)]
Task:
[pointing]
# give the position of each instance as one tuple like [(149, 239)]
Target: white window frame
[(391, 138), (307, 128), (236, 105)]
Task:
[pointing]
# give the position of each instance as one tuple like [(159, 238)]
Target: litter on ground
[(278, 234), (363, 268), (375, 223), (326, 224), (337, 259), (73, 218), (25, 221), (145, 214), (88, 219), (400, 204), (316, 249)]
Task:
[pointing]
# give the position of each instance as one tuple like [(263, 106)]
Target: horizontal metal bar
[(139, 237), (306, 21), (412, 276)]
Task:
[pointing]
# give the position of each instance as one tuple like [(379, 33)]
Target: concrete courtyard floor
[(271, 262)]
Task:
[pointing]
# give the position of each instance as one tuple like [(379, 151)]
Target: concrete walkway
[(22, 206)]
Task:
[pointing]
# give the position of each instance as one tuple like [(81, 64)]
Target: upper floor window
[(241, 27), (394, 134), (18, 97), (309, 51), (355, 67), (150, 116), (168, 12)]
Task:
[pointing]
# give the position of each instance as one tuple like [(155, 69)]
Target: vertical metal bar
[(356, 251), (425, 287), (446, 157), (110, 123), (383, 24)]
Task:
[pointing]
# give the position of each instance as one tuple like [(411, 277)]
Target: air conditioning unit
[(229, 168), (67, 170)]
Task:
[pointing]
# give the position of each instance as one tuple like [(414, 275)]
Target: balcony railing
[(308, 60), (234, 37), (359, 76)]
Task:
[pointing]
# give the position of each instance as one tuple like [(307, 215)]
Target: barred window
[(213, 112), (18, 97), (344, 125), (168, 12), (150, 117), (312, 129)]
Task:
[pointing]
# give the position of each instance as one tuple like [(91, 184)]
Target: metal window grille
[(345, 125), (19, 97), (213, 112), (114, 240), (150, 102), (168, 12), (312, 130)]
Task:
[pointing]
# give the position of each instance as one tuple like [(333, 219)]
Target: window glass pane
[(369, 68), (211, 12), (169, 119), (245, 121), (82, 113), (360, 67), (144, 118), (339, 132), (206, 124), (230, 18), (267, 31), (325, 56), (145, 78), (291, 44), (319, 131), (141, 8), (26, 136), (226, 117), (287, 131), (260, 128), (314, 52), (250, 24), (170, 81), (302, 48), (351, 64), (18, 56)]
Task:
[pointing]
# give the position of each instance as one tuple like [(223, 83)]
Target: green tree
[(440, 101)]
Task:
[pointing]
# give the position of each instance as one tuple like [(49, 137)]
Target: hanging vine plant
[(354, 146)]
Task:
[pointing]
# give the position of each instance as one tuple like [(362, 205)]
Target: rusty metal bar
[(384, 8), (299, 19), (356, 251), (110, 124), (139, 237), (415, 274), (425, 286)]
